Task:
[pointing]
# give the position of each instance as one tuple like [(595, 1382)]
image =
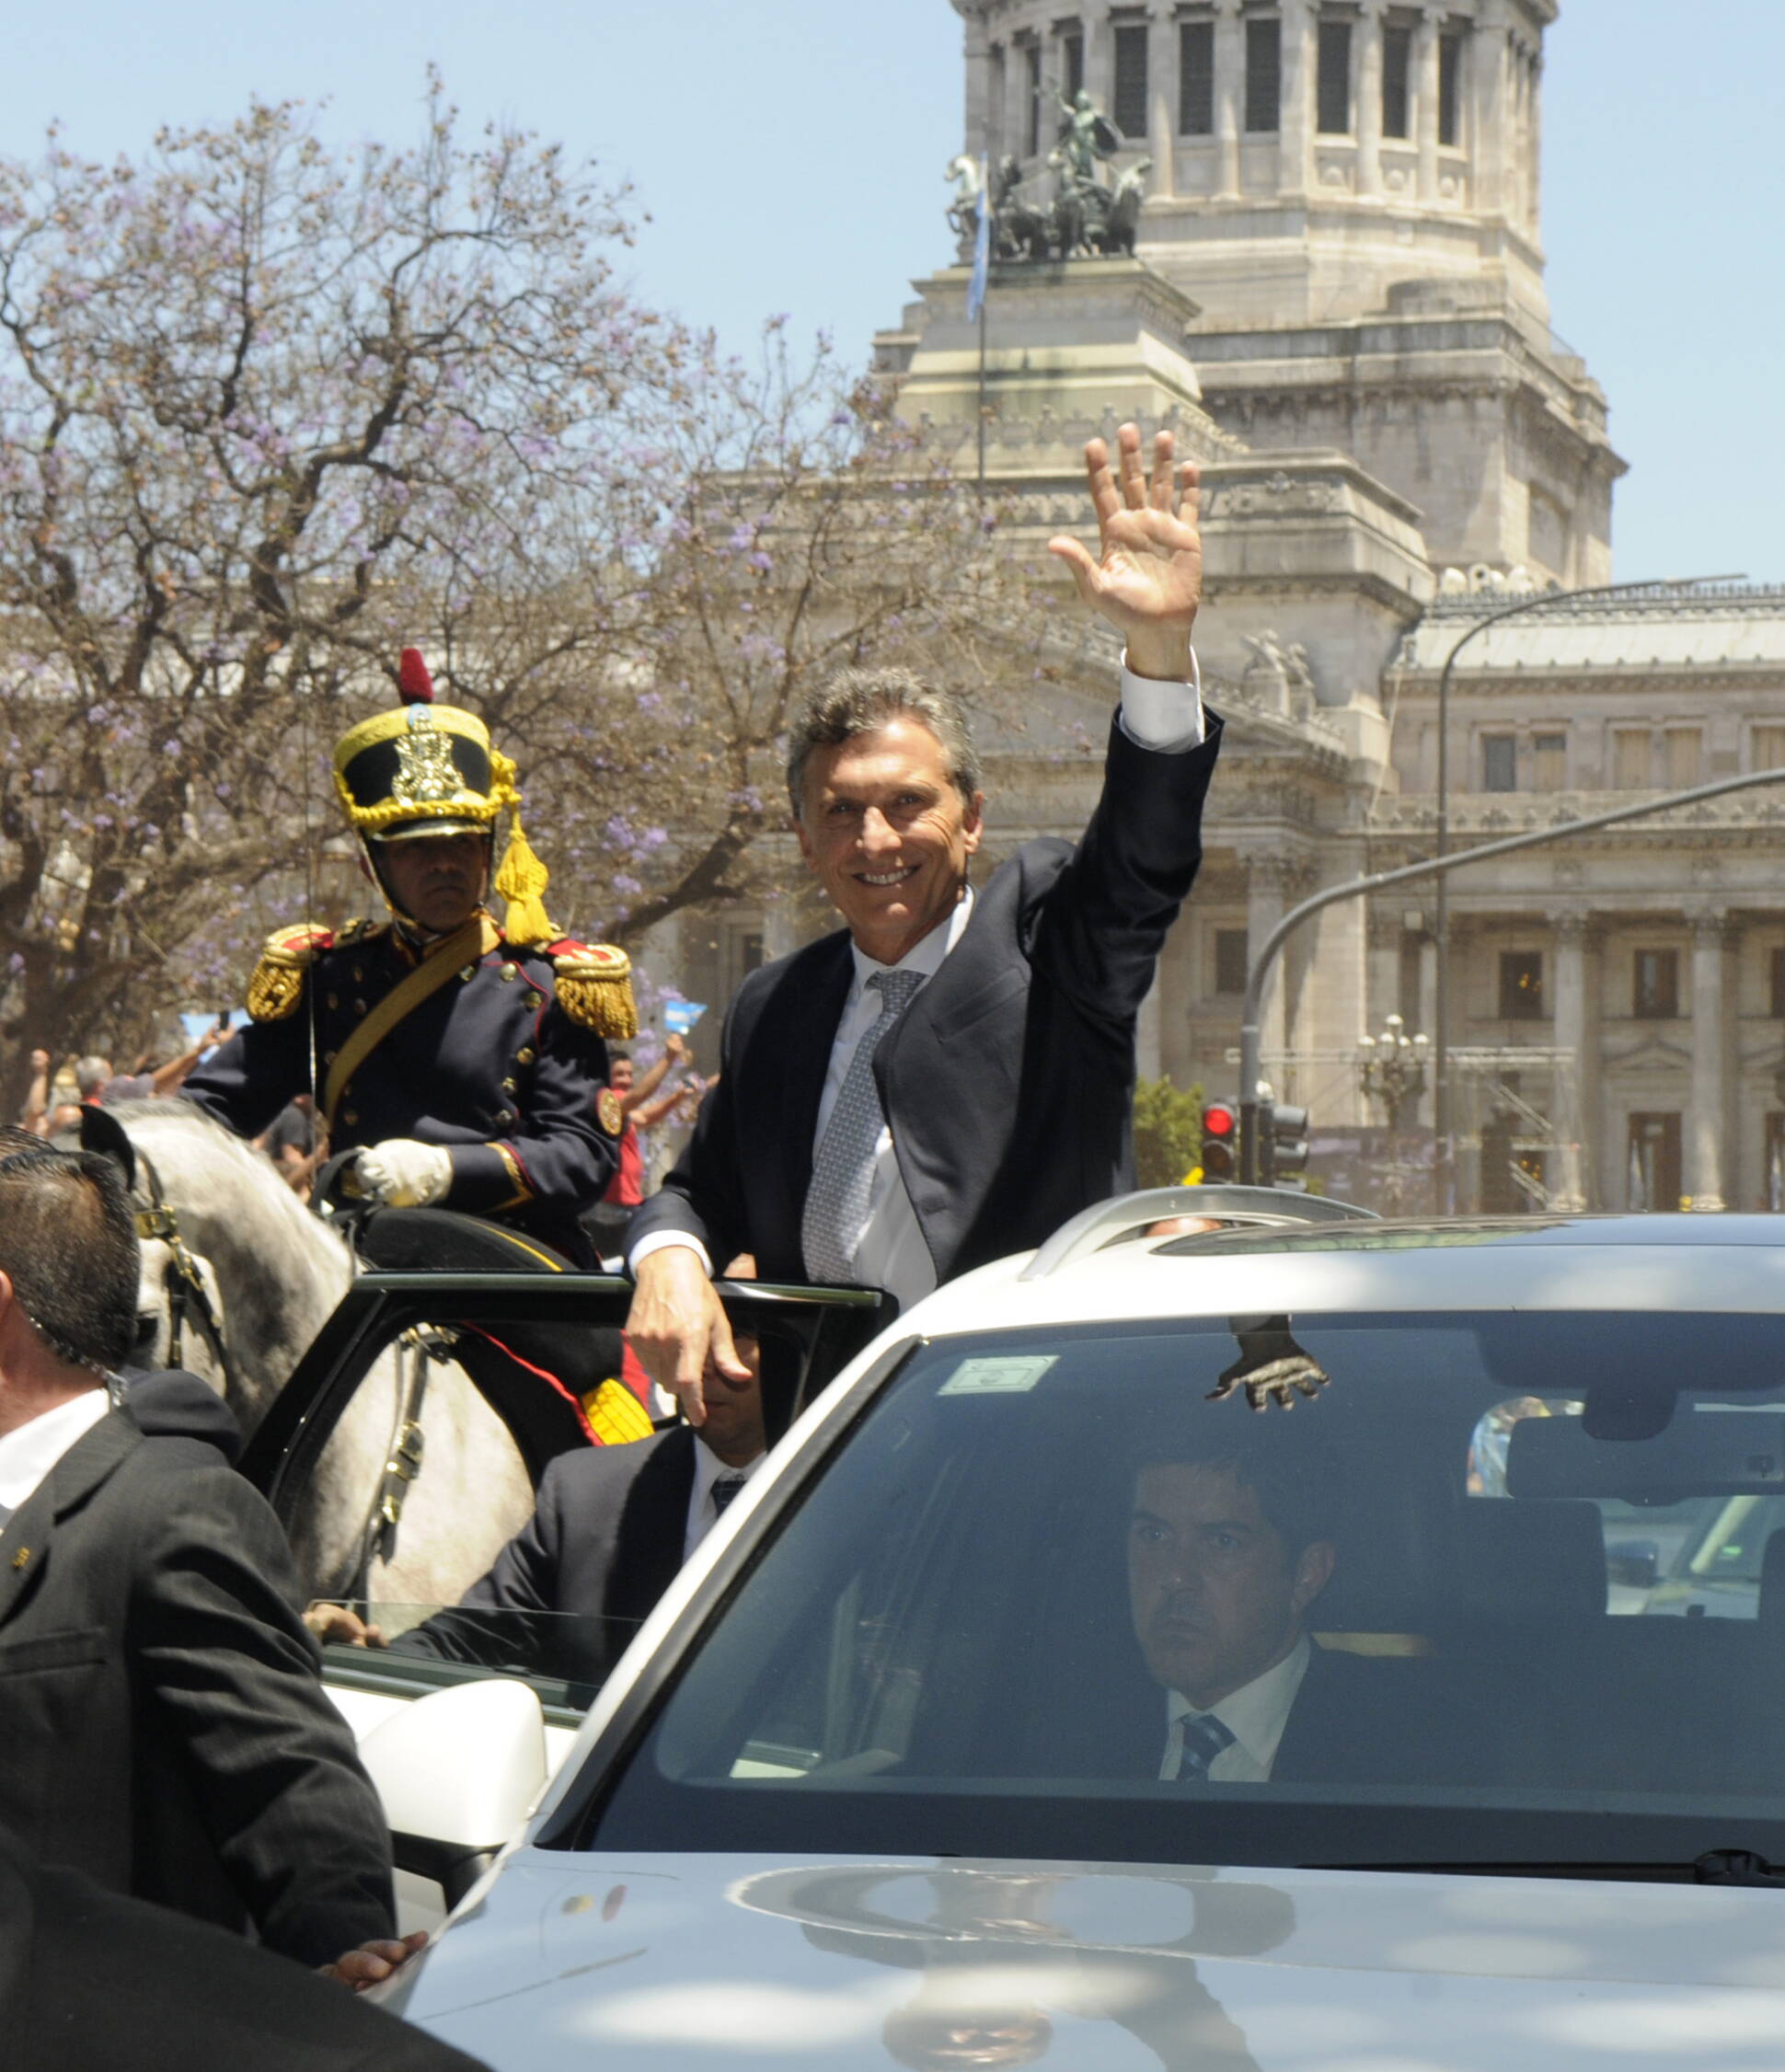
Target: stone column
[(1706, 1122), (1162, 103), (977, 135), (1384, 997), (1267, 886), (1149, 1050), (1425, 102), (1099, 56), (781, 927), (1570, 999), (1489, 54), (1295, 139), (1369, 102), (1229, 95)]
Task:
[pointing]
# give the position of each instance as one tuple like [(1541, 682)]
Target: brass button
[(469, 971), (359, 976), (505, 1118), (328, 1057), (359, 1006), (524, 1055), (334, 1000), (351, 1118), (508, 970), (534, 1002), (508, 1086)]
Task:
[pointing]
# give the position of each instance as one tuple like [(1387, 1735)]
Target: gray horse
[(276, 1274)]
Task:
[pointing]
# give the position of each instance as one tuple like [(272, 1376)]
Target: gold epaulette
[(277, 985), (595, 986)]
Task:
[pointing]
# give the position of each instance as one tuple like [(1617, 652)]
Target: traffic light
[(1220, 1133), (1283, 1139)]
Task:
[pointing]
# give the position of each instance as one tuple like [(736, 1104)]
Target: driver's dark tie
[(725, 1487), (1204, 1739)]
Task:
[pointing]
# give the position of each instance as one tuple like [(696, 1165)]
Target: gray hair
[(91, 1074), (861, 701)]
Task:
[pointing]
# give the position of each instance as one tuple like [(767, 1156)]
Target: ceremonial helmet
[(428, 769)]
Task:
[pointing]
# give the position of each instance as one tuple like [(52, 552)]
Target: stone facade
[(1338, 302)]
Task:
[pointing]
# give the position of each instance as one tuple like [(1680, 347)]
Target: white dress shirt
[(703, 1512), (889, 1251), (1255, 1715), (29, 1452)]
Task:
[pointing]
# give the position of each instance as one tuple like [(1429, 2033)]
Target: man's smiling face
[(885, 830)]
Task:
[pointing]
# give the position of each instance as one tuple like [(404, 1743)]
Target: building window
[(1549, 762), (1450, 89), (1520, 986), (1231, 963), (995, 124), (1263, 73), (1396, 72), (1654, 1180), (1032, 58), (1654, 995), (1334, 94), (1131, 78), (1684, 757), (1499, 763), (1629, 759), (1769, 748), (1196, 78), (1072, 51)]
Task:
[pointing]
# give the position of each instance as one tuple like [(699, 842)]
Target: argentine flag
[(982, 242)]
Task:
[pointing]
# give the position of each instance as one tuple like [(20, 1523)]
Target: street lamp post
[(1391, 1069), (1545, 600)]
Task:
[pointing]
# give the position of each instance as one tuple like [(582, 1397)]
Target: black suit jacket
[(163, 1725), (602, 1545), (1009, 1080), (1356, 1720), (90, 1981)]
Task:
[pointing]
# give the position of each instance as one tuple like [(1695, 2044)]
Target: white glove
[(403, 1174)]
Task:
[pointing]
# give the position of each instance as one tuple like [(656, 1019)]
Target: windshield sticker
[(1007, 1376)]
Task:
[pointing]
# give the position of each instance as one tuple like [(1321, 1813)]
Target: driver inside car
[(611, 1525), (1229, 1551)]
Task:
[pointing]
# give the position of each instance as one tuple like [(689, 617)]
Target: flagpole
[(977, 293), (981, 399)]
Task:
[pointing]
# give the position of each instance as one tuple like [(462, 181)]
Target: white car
[(894, 1773)]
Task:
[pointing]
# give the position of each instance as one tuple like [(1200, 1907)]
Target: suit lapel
[(804, 1037), (653, 1524), (25, 1541)]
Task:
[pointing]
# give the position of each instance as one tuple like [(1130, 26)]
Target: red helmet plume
[(412, 678)]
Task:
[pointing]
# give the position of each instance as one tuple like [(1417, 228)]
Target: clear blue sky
[(790, 153)]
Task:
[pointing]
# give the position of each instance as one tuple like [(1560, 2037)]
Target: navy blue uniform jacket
[(488, 1065), (1009, 1081)]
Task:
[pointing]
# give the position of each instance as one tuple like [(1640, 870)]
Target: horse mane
[(283, 1269)]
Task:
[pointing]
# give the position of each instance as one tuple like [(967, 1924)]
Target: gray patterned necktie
[(725, 1487), (1203, 1740), (843, 1165)]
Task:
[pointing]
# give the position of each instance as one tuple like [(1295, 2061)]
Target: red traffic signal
[(1220, 1135)]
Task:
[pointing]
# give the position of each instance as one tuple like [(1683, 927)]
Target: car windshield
[(1499, 1588)]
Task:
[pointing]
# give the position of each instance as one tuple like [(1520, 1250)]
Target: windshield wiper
[(1716, 1867)]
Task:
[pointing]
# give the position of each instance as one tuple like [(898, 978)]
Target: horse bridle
[(188, 1300)]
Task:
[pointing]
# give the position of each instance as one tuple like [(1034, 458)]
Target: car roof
[(1694, 1263)]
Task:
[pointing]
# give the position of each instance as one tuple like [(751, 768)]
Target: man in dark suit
[(610, 1528), (951, 1076), (1228, 1548), (173, 1995), (164, 1726)]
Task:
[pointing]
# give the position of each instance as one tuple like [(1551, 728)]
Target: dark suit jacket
[(163, 1724), (1009, 1080), (90, 1981), (602, 1545), (1356, 1720)]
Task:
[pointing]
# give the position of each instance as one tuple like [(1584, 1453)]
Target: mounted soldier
[(465, 1062)]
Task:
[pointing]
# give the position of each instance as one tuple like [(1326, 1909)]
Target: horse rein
[(188, 1297)]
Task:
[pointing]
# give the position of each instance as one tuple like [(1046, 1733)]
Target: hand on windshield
[(676, 1325), (335, 1622)]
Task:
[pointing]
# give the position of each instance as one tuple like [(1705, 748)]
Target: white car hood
[(690, 1961)]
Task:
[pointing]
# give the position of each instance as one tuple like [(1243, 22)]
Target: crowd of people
[(943, 1081)]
